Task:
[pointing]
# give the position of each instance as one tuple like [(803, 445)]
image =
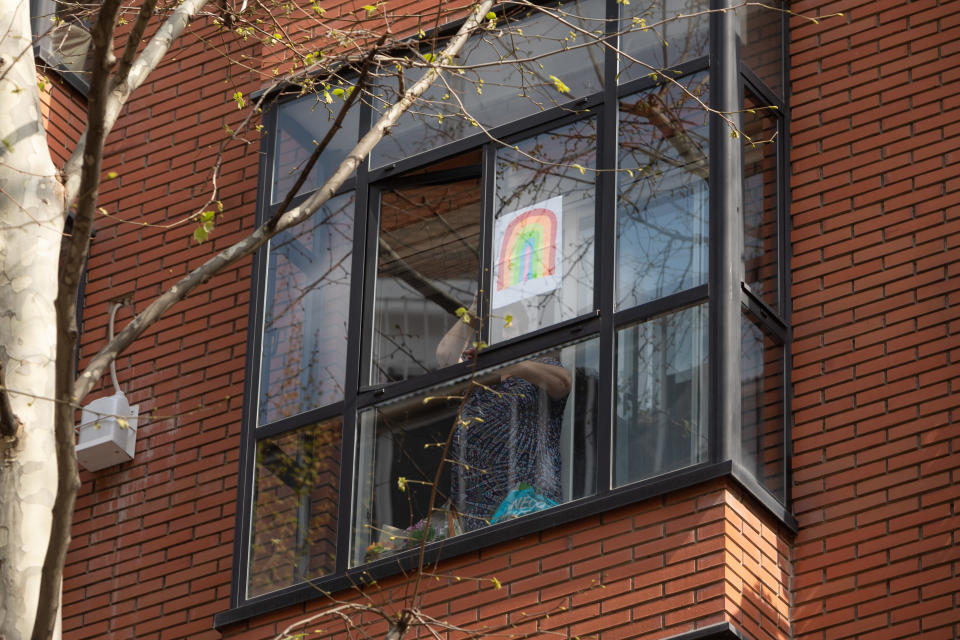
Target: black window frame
[(725, 292)]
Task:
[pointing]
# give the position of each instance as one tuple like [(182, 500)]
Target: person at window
[(506, 448)]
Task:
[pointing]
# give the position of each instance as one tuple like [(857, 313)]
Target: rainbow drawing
[(527, 257)]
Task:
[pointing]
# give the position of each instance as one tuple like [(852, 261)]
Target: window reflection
[(661, 398), (501, 88), (760, 234), (761, 39), (543, 234), (306, 312), (63, 29), (656, 37), (662, 192), (512, 441), (301, 125), (428, 265), (294, 529), (761, 407)]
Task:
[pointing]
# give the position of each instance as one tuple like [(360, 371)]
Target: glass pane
[(662, 192), (64, 30), (660, 34), (294, 529), (543, 235), (761, 39), (761, 406), (521, 439), (661, 422), (429, 261), (306, 312), (301, 125), (505, 89), (760, 201)]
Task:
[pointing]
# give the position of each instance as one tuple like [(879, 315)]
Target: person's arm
[(553, 379)]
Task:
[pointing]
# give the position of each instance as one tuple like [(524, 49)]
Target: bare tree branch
[(133, 42), (261, 235), (147, 61), (339, 611), (337, 124), (674, 131), (73, 254), (425, 286)]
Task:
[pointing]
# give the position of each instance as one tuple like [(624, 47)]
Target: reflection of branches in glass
[(502, 74), (653, 35), (427, 268), (301, 126), (305, 318), (64, 35), (547, 165), (293, 533), (662, 193), (398, 356), (661, 401), (400, 454)]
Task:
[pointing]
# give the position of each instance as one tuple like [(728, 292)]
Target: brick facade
[(876, 455), (876, 215)]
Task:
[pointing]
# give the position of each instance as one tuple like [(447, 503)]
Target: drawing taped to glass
[(527, 261)]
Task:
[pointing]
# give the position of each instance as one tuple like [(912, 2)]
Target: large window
[(575, 304)]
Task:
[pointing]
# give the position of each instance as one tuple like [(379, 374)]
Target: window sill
[(481, 539)]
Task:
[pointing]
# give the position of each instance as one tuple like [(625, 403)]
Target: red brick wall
[(64, 114), (876, 223), (652, 570)]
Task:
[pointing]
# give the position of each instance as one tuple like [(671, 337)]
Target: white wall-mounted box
[(107, 434)]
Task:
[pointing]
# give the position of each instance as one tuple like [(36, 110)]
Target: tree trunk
[(31, 221)]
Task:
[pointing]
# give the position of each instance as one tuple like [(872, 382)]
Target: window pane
[(760, 201), (428, 267), (662, 192), (306, 312), (523, 442), (508, 89), (761, 405), (543, 235), (657, 39), (63, 29), (301, 125), (294, 530), (661, 422), (761, 39)]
